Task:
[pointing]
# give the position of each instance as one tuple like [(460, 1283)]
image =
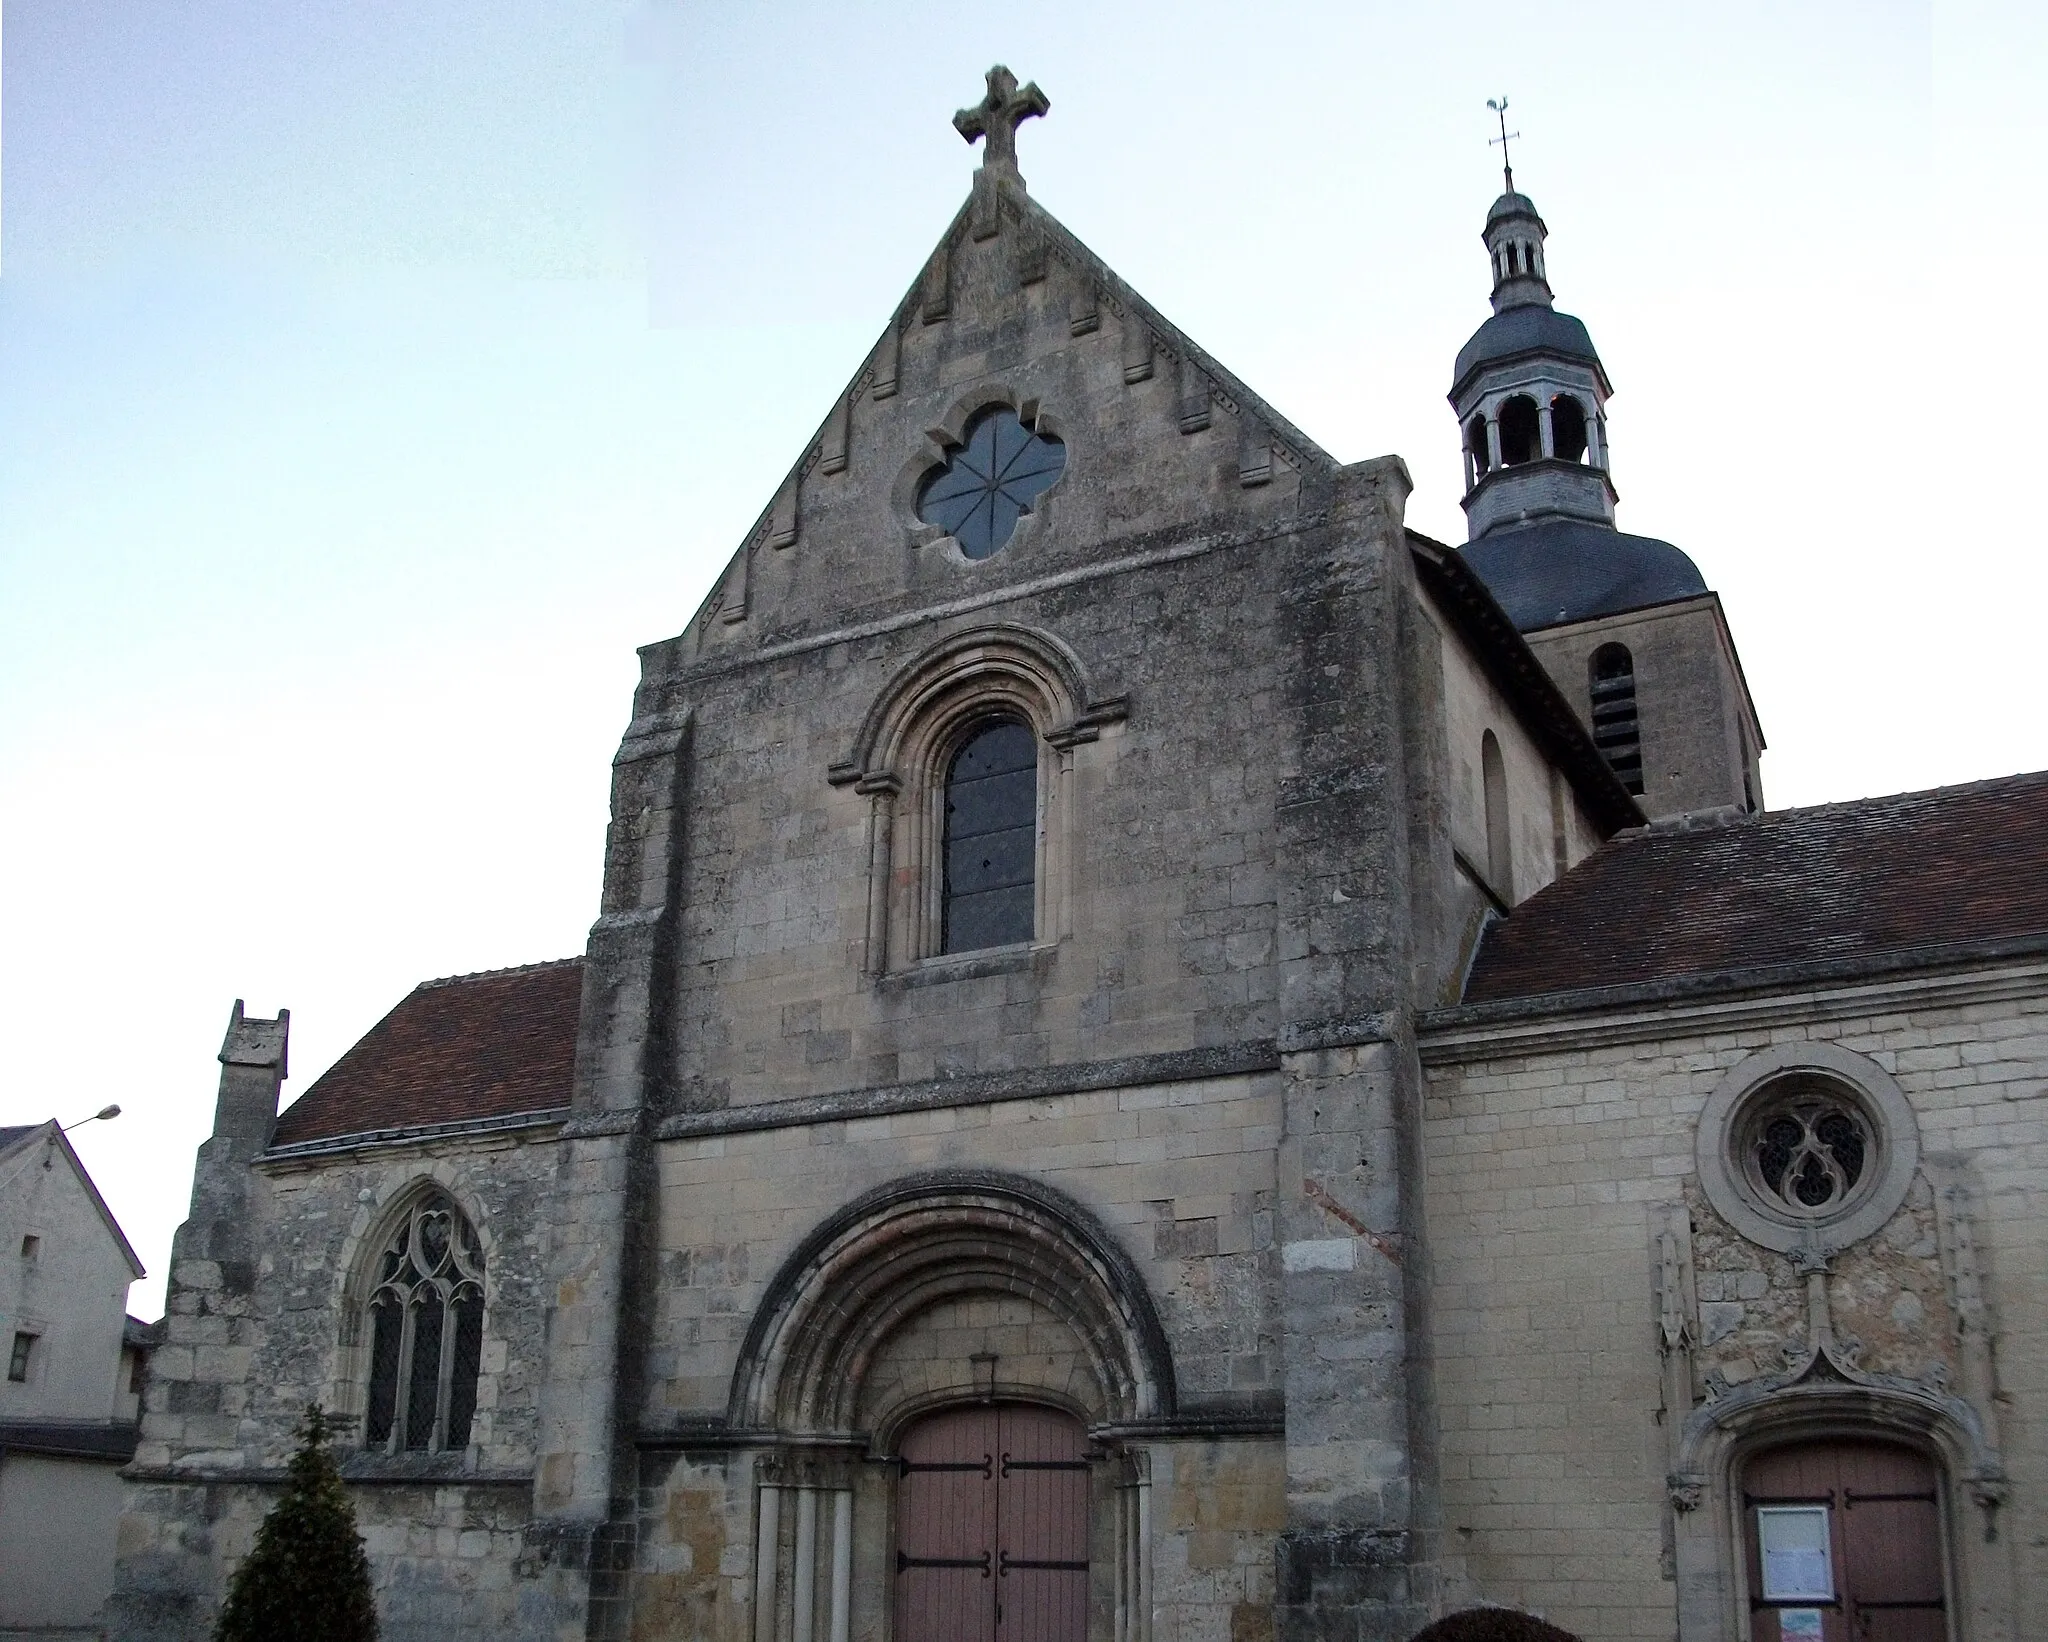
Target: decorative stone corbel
[(1987, 1490)]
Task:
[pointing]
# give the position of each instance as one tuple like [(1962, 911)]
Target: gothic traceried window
[(426, 1331), (1807, 1150)]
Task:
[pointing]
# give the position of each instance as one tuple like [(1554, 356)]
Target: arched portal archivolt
[(896, 1253), (1830, 1401)]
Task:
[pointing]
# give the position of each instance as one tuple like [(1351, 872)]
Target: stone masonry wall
[(1548, 1171), (1168, 884), (442, 1556), (249, 1344), (1182, 1173), (1698, 737), (1542, 812)]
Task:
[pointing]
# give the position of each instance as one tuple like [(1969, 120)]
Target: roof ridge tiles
[(493, 974), (2017, 782), (1722, 820)]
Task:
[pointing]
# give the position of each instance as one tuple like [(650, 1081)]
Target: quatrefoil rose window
[(990, 482)]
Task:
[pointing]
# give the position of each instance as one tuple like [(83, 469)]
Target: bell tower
[(1625, 625)]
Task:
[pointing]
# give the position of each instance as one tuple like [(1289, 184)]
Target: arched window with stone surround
[(991, 844), (426, 1330), (968, 837)]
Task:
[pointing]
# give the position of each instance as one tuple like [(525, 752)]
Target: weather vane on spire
[(1500, 109)]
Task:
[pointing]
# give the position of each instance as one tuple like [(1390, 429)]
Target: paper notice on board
[(1799, 1624), (1797, 1570)]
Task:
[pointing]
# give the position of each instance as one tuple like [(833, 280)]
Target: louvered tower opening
[(1615, 729)]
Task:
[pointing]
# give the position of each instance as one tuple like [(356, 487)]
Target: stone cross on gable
[(996, 117)]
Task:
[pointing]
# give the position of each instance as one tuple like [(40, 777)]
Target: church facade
[(1165, 1059)]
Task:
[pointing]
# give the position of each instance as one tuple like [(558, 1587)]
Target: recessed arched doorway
[(1844, 1544), (992, 1527)]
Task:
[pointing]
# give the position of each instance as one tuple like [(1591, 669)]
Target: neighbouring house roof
[(1912, 877), (454, 1050), (143, 1336), (20, 1134), (111, 1440)]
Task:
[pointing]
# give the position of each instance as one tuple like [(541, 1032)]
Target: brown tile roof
[(1876, 880), (471, 1046)]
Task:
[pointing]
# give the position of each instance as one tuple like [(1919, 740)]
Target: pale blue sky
[(374, 377)]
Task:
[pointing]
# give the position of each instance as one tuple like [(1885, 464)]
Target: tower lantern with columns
[(1530, 393)]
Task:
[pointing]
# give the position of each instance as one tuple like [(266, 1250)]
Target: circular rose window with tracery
[(1807, 1146), (1807, 1149)]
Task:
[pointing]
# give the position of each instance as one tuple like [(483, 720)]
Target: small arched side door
[(1843, 1540)]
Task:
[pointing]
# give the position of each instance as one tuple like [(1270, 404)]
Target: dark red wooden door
[(1844, 1544), (992, 1528)]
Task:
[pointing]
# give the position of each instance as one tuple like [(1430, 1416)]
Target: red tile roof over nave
[(456, 1050), (1875, 880)]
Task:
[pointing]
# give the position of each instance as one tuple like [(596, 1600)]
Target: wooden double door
[(1844, 1545), (992, 1527)]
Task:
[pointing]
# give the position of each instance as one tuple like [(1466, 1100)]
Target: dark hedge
[(307, 1578)]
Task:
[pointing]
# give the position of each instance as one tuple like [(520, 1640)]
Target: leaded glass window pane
[(387, 1330), (423, 1398), (991, 846), (426, 1331), (469, 1351), (991, 482)]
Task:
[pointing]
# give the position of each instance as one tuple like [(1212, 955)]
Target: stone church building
[(1165, 1059)]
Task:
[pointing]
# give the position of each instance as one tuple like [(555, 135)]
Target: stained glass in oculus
[(991, 840), (426, 1331), (990, 482), (1808, 1155)]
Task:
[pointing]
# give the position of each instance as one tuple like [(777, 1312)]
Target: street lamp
[(104, 1112)]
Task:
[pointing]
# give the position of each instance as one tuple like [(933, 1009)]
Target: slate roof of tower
[(1529, 328), (455, 1050), (1561, 570), (1512, 205), (1909, 878)]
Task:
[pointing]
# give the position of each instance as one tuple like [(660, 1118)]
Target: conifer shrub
[(1492, 1625), (307, 1579)]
